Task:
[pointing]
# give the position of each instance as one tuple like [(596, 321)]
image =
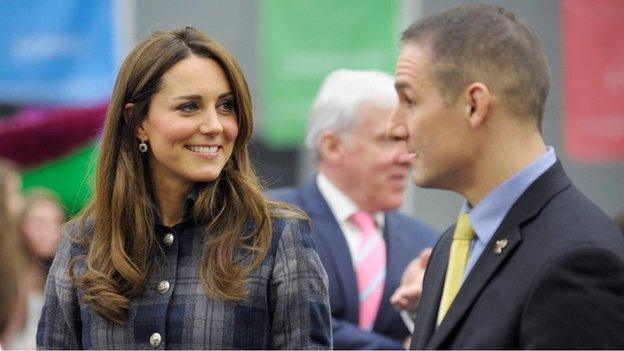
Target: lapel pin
[(500, 245)]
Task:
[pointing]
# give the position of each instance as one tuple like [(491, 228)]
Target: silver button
[(163, 286), (155, 340), (168, 239)]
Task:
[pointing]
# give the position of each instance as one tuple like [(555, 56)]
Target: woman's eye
[(226, 106), (188, 107)]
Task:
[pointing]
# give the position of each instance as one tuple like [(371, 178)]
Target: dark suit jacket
[(559, 282), (405, 238)]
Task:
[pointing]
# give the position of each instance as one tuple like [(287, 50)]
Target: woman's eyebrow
[(188, 97)]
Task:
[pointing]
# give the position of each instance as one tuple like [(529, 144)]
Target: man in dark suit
[(361, 174), (531, 263)]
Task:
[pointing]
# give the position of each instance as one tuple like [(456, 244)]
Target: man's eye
[(404, 100), (188, 107), (226, 106)]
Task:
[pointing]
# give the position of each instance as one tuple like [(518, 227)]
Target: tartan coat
[(286, 307)]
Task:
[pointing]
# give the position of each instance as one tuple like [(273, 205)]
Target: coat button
[(163, 286), (168, 239), (155, 340)]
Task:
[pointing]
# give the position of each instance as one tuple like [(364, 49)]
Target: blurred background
[(59, 58)]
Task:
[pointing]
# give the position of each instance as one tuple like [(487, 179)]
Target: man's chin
[(421, 181), (391, 204)]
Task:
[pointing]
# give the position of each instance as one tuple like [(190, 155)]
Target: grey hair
[(342, 93)]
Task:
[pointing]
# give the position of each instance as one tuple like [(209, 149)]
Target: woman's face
[(191, 124), (41, 227)]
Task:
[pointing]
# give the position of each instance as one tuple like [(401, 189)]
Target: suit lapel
[(327, 230), (426, 315), (487, 264), (526, 207), (394, 248)]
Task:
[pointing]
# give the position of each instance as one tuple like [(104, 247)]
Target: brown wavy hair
[(122, 212), (11, 255)]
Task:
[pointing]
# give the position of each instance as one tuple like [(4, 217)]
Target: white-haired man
[(364, 244)]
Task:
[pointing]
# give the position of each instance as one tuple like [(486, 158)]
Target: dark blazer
[(405, 238), (558, 283)]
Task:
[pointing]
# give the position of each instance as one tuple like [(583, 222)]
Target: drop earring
[(143, 147)]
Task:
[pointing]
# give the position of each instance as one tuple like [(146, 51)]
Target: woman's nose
[(210, 124)]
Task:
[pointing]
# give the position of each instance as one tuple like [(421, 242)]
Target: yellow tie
[(458, 258)]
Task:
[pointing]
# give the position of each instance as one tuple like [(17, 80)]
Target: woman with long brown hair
[(39, 223), (179, 248)]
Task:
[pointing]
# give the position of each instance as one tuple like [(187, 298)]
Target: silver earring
[(143, 147)]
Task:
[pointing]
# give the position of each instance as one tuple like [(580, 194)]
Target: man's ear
[(330, 147), (140, 131), (480, 102)]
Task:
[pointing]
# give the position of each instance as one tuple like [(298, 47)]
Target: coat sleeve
[(60, 324), (299, 298), (576, 302)]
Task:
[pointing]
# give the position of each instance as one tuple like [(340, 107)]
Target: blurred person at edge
[(12, 303), (360, 171), (41, 219), (179, 248), (531, 263)]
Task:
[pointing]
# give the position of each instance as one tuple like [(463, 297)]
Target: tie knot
[(463, 229), (364, 221)]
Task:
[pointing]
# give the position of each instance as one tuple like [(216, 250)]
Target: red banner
[(593, 77)]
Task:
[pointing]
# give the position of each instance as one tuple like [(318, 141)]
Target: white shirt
[(27, 338), (343, 207)]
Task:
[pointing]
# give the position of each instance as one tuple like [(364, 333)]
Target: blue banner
[(56, 51)]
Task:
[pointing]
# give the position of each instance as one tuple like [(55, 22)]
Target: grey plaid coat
[(287, 305)]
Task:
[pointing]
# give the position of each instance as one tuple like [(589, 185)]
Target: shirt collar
[(187, 215), (489, 213), (340, 204)]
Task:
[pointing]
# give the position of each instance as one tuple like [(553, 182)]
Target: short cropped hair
[(488, 44), (337, 103)]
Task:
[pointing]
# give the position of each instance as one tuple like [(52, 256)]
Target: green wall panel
[(302, 41), (71, 177)]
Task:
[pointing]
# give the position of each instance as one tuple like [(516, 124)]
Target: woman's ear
[(140, 131)]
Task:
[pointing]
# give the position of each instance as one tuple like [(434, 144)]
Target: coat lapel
[(487, 264), (526, 207), (426, 315), (328, 231), (394, 248)]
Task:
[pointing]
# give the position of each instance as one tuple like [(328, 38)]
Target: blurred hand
[(407, 342), (407, 296)]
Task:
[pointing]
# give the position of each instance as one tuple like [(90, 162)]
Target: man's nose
[(396, 128)]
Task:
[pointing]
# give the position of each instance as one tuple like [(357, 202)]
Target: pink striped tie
[(370, 267)]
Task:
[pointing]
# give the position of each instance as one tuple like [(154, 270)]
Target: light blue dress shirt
[(487, 216)]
